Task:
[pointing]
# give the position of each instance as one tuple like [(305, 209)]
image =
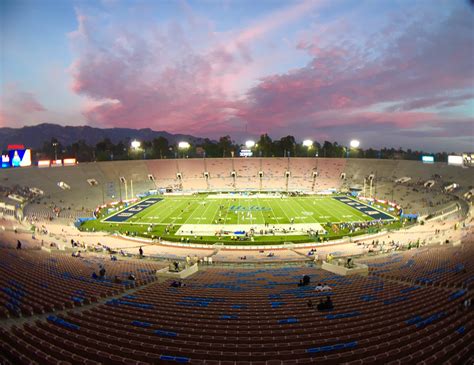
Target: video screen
[(455, 160), (18, 158), (427, 159), (5, 160)]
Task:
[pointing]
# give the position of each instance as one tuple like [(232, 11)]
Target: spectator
[(318, 287), (310, 303), (325, 305), (102, 272), (326, 288), (176, 266), (306, 280), (94, 275), (18, 245), (131, 277), (117, 280), (320, 305), (177, 284), (328, 303)]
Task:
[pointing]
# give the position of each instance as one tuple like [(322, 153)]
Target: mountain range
[(35, 136)]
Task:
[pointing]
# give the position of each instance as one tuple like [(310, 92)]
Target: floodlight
[(308, 143), (135, 144), (184, 145), (249, 144), (355, 143)]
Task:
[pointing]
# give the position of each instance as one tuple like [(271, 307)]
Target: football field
[(211, 209), (263, 218)]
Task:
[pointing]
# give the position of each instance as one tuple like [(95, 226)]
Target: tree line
[(160, 148)]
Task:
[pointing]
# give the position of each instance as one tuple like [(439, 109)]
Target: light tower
[(249, 144), (308, 144), (135, 144), (184, 146), (354, 144)]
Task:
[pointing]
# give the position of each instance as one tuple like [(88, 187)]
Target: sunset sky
[(390, 73)]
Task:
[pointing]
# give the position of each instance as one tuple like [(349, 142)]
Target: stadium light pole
[(55, 145), (250, 144), (135, 144), (183, 146), (309, 145), (354, 144)]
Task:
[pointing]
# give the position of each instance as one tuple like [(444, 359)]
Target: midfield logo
[(252, 208)]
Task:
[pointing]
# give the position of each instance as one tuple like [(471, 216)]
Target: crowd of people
[(323, 305), (322, 287), (305, 280)]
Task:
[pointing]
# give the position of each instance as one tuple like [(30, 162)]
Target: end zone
[(372, 212), (129, 212)]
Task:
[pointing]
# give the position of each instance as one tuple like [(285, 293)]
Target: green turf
[(199, 209)]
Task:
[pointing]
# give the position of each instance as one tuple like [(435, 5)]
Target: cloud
[(156, 79), (162, 76), (440, 101), (403, 76), (416, 68), (18, 107)]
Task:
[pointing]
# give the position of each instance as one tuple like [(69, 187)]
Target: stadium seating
[(437, 266), (408, 309), (302, 173), (35, 281), (247, 173), (163, 171), (257, 316)]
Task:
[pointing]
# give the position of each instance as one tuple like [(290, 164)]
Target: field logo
[(368, 210), (252, 208), (131, 211)]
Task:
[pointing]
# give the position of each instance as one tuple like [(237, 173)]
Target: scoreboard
[(16, 158)]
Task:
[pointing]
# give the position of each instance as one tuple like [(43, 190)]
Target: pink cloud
[(442, 101), (276, 20), (343, 77), (165, 79), (18, 107), (140, 80), (26, 102)]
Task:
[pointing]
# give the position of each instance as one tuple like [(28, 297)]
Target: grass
[(173, 212)]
